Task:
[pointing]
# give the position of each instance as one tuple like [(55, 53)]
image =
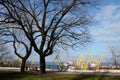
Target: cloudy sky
[(105, 32)]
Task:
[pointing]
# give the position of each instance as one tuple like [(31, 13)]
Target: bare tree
[(26, 48), (5, 56), (22, 47), (48, 24), (115, 55)]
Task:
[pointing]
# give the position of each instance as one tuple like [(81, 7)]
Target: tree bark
[(23, 65), (42, 64)]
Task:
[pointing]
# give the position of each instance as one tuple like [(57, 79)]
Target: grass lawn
[(31, 76)]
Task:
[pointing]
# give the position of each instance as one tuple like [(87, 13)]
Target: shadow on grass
[(53, 76), (13, 75), (96, 76)]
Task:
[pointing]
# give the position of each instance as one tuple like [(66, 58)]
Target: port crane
[(60, 64)]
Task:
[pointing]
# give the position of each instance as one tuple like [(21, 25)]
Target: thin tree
[(49, 24), (115, 55), (5, 56)]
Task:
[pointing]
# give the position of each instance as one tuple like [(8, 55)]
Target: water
[(49, 65)]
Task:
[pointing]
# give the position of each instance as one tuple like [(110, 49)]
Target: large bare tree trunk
[(42, 64), (23, 65)]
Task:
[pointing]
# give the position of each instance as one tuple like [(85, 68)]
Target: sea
[(49, 65)]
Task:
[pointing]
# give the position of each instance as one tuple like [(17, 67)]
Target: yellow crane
[(60, 64), (90, 58), (98, 62), (33, 62), (81, 63)]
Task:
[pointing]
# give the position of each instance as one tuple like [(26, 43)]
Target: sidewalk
[(92, 72), (10, 68)]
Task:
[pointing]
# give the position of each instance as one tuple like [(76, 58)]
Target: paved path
[(10, 68), (92, 73)]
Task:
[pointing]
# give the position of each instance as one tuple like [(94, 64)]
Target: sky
[(105, 32)]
